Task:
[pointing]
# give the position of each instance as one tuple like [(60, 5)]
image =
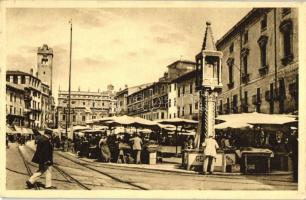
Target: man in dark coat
[(43, 156)]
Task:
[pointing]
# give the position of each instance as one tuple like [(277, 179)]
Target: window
[(183, 111), (15, 79), (93, 117), (174, 103), (14, 98), (178, 111), (178, 92), (262, 42), (258, 100), (227, 105), (162, 115), (73, 118), (263, 23), (230, 74), (286, 29), (174, 115), (11, 109), (93, 104), (246, 37), (196, 105), (263, 55), (11, 97), (169, 103), (170, 88), (20, 112), (174, 86), (169, 116), (64, 117), (190, 108), (220, 106), (231, 48), (23, 80), (235, 104), (84, 103), (190, 88), (183, 90), (245, 64)]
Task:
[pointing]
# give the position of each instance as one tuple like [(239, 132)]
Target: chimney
[(98, 90), (36, 74), (79, 89), (31, 71), (126, 86)]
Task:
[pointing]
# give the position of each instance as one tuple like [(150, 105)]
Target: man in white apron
[(210, 154)]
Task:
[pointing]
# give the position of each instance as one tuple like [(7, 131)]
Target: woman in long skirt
[(105, 152)]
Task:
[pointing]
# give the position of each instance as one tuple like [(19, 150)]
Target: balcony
[(263, 70), (245, 78)]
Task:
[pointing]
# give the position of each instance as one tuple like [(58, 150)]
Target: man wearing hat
[(43, 156), (210, 154)]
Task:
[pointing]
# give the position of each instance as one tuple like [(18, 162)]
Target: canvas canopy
[(256, 119)]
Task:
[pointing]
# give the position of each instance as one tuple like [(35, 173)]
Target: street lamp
[(208, 81)]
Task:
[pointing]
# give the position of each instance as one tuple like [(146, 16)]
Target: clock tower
[(45, 65)]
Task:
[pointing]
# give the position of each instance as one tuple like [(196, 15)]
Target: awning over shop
[(242, 119)]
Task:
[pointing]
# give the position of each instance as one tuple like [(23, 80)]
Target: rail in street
[(27, 168), (74, 173)]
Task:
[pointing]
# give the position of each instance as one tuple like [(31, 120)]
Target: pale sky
[(112, 45)]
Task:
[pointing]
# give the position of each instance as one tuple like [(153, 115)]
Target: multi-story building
[(38, 103), (121, 97), (186, 101), (149, 102), (85, 105), (260, 63), (37, 98), (14, 104), (158, 100)]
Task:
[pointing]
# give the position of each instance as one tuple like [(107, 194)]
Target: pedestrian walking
[(105, 152), (43, 156), (137, 146), (210, 154)]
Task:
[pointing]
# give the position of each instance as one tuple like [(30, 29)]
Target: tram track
[(27, 167), (66, 175), (101, 172)]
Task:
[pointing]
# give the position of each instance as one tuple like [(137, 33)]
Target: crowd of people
[(121, 148)]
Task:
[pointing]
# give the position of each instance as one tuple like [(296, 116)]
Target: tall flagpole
[(69, 88)]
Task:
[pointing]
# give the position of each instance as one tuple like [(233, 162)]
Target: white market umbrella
[(257, 118)]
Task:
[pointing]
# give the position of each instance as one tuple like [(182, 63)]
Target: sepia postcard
[(152, 99)]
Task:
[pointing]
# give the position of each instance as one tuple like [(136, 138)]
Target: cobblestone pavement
[(99, 176)]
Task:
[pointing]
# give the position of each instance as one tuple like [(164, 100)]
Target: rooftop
[(236, 28), (172, 65), (17, 72)]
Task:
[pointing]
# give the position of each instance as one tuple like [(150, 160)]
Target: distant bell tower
[(44, 64)]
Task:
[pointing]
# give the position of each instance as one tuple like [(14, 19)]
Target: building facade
[(260, 63), (36, 100), (158, 100), (85, 106), (187, 97), (14, 104), (150, 102)]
